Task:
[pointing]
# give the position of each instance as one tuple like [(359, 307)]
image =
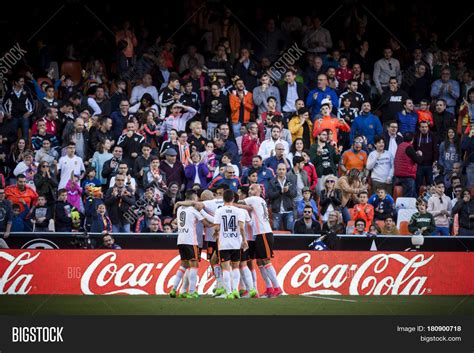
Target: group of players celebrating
[(237, 230)]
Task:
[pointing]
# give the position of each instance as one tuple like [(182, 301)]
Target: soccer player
[(188, 218), (248, 283), (262, 231), (229, 221), (211, 204)]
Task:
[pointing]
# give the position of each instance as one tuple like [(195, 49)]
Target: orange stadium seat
[(72, 68), (397, 192), (404, 228)]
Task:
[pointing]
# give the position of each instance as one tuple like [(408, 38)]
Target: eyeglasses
[(45, 166), (393, 127), (307, 211), (330, 181), (119, 179)]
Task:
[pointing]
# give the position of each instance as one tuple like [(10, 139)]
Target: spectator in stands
[(145, 87), (131, 143), (250, 144), (290, 92), (363, 210), (307, 200), (278, 158), (216, 110), (465, 210), (383, 204), (265, 175), (154, 226), (327, 121), (172, 169), (62, 213), (350, 186), (177, 120), (282, 192), (118, 200), (70, 163), (449, 151), (307, 224), (380, 162), (27, 167), (144, 222), (241, 106), (323, 91), (408, 117), (443, 119), (301, 127), (19, 222), (389, 227), (467, 147), (355, 158), (101, 221), (262, 93), (447, 89), (392, 137), (366, 124), (268, 147), (5, 215), (360, 227), (426, 143), (405, 165), (108, 242), (271, 112), (228, 179), (296, 149), (323, 155), (421, 222), (196, 172), (301, 177), (334, 223), (385, 70), (21, 192), (439, 205)]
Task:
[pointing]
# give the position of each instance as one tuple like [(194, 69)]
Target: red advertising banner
[(151, 272)]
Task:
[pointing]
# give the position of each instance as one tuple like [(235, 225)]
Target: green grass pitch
[(205, 305)]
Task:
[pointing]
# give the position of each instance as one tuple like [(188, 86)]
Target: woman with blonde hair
[(350, 186), (330, 198), (334, 223)]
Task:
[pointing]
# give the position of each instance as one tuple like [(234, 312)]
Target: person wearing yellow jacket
[(301, 126)]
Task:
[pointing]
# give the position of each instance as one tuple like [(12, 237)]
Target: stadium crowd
[(340, 138)]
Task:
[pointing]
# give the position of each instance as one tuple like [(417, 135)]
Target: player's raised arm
[(243, 206)]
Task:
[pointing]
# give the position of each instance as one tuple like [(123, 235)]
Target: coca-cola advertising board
[(151, 272)]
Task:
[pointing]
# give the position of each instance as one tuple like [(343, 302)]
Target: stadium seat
[(404, 215), (403, 228), (405, 203), (397, 192), (72, 68), (423, 190), (350, 227), (44, 79), (380, 224), (282, 232)]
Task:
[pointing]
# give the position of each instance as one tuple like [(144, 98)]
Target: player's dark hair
[(190, 194), (228, 196)]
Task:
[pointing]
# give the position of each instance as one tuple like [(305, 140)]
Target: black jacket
[(300, 227), (117, 206), (18, 106), (300, 91), (464, 209), (325, 201), (276, 195), (62, 215), (441, 123), (386, 139)]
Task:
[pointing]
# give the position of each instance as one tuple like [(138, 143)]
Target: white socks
[(254, 278), (218, 275), (178, 277), (271, 273), (266, 279), (247, 278), (193, 274), (235, 279), (226, 280)]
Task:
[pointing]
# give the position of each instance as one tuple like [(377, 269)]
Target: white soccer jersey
[(228, 217), (188, 219), (210, 207), (259, 215), (248, 227)]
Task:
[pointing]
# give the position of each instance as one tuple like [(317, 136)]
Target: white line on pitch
[(329, 298)]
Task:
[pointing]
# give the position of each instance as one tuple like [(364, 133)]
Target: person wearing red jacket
[(250, 144), (363, 210), (310, 170)]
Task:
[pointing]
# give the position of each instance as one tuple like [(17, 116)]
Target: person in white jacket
[(381, 163), (267, 148)]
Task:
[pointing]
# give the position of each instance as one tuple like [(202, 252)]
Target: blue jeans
[(125, 228), (441, 231), (287, 218), (346, 216), (408, 185), (24, 124), (424, 172)]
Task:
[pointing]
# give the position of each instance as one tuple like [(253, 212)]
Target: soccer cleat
[(184, 295), (245, 295), (222, 296), (172, 293), (253, 293), (236, 294), (193, 295), (277, 292), (230, 296), (267, 294), (242, 292), (219, 291)]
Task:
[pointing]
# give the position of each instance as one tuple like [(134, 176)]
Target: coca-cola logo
[(364, 279), (11, 281), (131, 272), (104, 276)]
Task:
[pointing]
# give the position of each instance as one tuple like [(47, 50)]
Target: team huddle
[(237, 231)]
